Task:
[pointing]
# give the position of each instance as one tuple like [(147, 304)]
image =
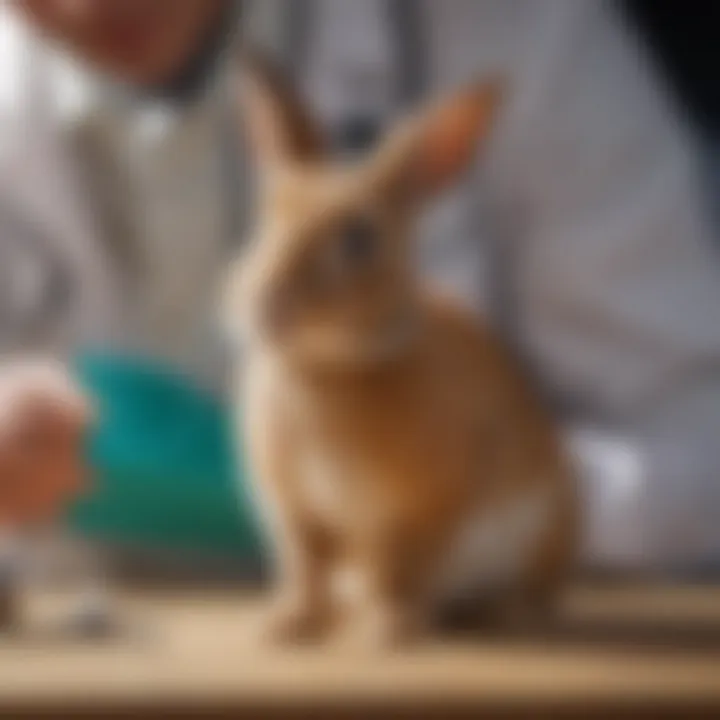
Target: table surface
[(615, 648)]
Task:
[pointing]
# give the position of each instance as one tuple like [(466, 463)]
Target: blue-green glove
[(166, 469)]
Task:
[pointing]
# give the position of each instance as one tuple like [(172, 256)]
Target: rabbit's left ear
[(280, 129), (431, 150)]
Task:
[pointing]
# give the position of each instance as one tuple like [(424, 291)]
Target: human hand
[(43, 418)]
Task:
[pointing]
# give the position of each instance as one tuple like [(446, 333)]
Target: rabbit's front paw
[(384, 627), (287, 622)]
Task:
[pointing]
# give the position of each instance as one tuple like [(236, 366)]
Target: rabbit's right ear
[(279, 127)]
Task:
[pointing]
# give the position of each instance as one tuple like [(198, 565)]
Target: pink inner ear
[(452, 134)]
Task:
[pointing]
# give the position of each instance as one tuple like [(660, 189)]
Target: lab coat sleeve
[(617, 282)]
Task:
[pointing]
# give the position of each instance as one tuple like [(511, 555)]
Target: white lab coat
[(591, 187)]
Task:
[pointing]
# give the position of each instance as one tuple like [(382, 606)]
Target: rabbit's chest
[(327, 481)]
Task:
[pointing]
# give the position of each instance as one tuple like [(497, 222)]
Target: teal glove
[(165, 471)]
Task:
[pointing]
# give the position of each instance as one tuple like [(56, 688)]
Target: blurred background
[(586, 235)]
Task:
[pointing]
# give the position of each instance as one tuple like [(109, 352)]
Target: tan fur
[(379, 417)]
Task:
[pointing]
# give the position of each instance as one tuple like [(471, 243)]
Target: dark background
[(684, 39)]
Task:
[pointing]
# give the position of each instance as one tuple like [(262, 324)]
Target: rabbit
[(401, 459)]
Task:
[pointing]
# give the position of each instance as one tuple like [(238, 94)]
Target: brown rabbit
[(390, 435)]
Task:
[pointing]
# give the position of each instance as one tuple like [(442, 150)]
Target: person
[(582, 234)]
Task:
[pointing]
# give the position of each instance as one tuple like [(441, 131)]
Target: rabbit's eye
[(356, 244), (351, 248)]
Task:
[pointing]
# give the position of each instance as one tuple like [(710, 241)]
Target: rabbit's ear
[(431, 150), (278, 125)]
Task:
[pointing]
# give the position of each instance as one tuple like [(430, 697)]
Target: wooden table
[(626, 651)]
